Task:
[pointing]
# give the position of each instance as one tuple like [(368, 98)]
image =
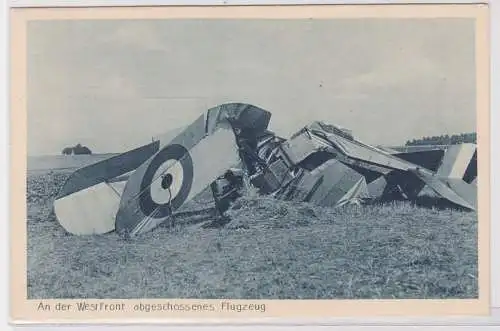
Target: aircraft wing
[(88, 200), (135, 191), (185, 166)]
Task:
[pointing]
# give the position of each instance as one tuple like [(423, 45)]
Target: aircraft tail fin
[(459, 161)]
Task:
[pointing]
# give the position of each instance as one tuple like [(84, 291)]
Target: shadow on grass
[(190, 217)]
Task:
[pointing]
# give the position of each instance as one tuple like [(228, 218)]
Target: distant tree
[(67, 151), (78, 149)]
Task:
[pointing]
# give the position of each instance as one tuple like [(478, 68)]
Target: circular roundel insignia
[(167, 182)]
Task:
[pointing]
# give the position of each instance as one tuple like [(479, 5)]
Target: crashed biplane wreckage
[(230, 145)]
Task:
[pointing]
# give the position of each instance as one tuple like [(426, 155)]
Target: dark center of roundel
[(177, 153), (166, 181)]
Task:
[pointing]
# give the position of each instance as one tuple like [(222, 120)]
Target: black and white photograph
[(259, 158)]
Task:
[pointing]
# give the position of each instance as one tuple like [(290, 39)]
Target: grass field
[(271, 249)]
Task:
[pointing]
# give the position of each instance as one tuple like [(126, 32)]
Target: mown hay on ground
[(270, 249)]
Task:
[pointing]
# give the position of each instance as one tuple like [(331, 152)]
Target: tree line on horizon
[(444, 139)]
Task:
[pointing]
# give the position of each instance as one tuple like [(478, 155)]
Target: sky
[(112, 85)]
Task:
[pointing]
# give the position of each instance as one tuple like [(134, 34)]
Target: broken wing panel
[(87, 203), (107, 169), (377, 187), (299, 148), (444, 190), (361, 152), (358, 192), (465, 190), (348, 151), (330, 185), (89, 211), (430, 159), (173, 176), (188, 137)]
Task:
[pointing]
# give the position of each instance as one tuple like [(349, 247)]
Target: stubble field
[(271, 249)]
